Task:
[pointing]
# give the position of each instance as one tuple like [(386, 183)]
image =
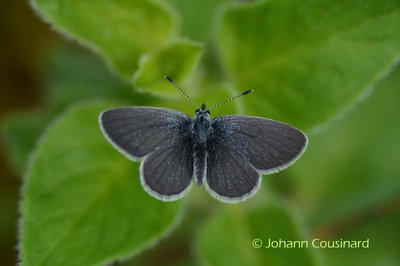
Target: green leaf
[(227, 239), (353, 164), (74, 74), (121, 31), (70, 76), (83, 203), (308, 60), (384, 248), (198, 17), (177, 60)]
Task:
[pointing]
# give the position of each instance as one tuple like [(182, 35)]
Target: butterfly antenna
[(230, 99), (179, 88)]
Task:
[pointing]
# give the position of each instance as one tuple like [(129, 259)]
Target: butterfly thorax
[(201, 129)]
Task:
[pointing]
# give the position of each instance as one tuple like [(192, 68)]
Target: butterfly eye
[(197, 110), (208, 112)]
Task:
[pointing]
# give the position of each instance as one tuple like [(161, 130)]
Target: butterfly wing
[(229, 177), (167, 172), (242, 148), (161, 139)]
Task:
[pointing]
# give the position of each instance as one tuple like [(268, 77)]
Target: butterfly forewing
[(136, 131), (267, 145), (161, 137)]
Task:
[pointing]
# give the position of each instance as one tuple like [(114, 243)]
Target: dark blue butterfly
[(228, 154)]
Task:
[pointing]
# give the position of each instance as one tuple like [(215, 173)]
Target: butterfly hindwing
[(167, 172), (229, 177)]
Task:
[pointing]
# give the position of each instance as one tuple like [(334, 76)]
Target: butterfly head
[(202, 112)]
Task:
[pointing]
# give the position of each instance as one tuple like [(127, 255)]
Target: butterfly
[(228, 154)]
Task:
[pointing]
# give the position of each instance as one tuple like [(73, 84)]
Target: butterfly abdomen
[(200, 163)]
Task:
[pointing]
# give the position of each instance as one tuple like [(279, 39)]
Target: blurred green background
[(329, 68)]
